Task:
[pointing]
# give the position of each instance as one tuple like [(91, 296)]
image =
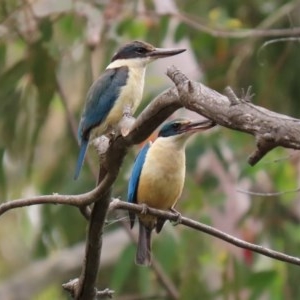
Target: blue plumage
[(158, 177), (100, 99), (135, 177), (117, 92), (83, 147), (136, 172)]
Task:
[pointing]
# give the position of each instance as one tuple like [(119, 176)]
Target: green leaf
[(144, 280), (133, 28), (180, 32), (261, 281), (9, 101), (162, 246), (2, 55), (46, 29), (163, 27), (43, 68), (3, 189)]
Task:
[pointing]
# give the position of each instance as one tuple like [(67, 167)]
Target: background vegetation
[(50, 52)]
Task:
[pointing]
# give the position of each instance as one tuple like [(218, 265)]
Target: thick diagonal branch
[(269, 128)]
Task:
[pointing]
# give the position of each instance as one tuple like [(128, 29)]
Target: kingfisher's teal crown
[(170, 128), (180, 126)]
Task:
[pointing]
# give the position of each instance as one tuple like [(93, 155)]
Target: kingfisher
[(117, 92), (158, 176)]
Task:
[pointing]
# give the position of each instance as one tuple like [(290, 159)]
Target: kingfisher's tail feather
[(143, 254), (83, 147)]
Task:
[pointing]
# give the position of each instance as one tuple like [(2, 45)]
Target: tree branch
[(73, 200), (118, 204), (283, 11), (269, 128), (262, 30), (153, 115), (86, 285)]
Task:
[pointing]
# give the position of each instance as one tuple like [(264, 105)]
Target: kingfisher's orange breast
[(162, 178)]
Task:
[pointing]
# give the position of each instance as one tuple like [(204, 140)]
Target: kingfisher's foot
[(101, 144), (178, 217), (125, 131), (111, 135), (145, 209), (126, 124)]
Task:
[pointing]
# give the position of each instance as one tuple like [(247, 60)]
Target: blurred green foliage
[(47, 47)]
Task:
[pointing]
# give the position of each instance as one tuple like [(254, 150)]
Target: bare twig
[(155, 113), (269, 128), (118, 204), (106, 293), (241, 33), (262, 31), (73, 200), (266, 194)]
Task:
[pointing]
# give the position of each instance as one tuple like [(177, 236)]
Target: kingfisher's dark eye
[(141, 50), (175, 125)]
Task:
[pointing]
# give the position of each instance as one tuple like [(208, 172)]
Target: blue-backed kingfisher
[(157, 178), (117, 92)]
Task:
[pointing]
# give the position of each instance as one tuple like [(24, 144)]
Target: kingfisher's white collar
[(130, 63)]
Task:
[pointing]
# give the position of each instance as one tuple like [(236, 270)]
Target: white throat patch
[(130, 63)]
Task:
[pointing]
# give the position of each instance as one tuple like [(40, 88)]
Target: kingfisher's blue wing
[(135, 174), (135, 178), (83, 147), (101, 97)]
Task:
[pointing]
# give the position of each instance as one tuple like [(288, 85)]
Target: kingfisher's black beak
[(164, 52), (198, 126)]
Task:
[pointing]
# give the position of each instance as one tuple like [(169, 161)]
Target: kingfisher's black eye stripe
[(141, 50)]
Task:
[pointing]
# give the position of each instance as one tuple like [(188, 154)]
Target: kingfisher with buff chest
[(117, 92), (158, 176)]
